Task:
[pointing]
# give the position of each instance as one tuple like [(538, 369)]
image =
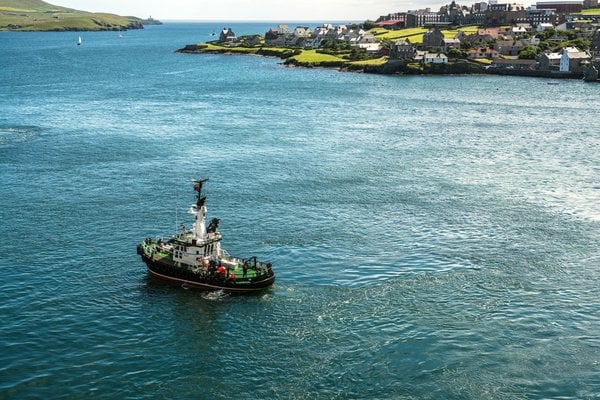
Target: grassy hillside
[(37, 15), (415, 35)]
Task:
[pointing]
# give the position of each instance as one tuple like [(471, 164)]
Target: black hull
[(181, 277)]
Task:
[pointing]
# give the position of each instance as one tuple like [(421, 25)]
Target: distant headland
[(37, 15)]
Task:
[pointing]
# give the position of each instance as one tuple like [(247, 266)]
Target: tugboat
[(194, 258)]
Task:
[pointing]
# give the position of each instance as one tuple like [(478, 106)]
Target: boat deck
[(161, 255)]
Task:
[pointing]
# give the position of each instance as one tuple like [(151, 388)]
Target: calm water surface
[(434, 237)]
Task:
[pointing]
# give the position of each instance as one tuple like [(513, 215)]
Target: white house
[(435, 58), (543, 26), (517, 30), (302, 31), (372, 48)]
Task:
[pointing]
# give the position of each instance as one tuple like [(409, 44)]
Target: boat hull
[(168, 273)]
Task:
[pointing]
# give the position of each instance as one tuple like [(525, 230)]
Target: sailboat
[(79, 41)]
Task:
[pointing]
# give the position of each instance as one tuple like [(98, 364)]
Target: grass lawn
[(468, 30), (484, 61), (591, 11), (224, 49), (281, 52), (375, 62), (313, 58), (415, 35)]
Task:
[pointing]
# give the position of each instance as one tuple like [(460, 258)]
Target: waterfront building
[(273, 37), (549, 61), (435, 58), (515, 64), (573, 60), (227, 35)]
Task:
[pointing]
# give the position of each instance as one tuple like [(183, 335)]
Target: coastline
[(389, 67)]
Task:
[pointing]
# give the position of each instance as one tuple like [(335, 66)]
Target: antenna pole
[(176, 207)]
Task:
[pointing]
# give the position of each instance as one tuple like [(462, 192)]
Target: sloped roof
[(578, 55), (552, 56), (390, 22)]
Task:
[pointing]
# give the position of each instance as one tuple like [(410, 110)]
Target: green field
[(311, 57), (415, 35), (376, 62), (222, 49), (37, 15), (468, 30), (591, 11)]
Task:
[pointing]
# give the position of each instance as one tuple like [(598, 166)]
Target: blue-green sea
[(434, 237)]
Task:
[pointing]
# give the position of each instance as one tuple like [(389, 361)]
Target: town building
[(549, 61), (424, 17), (435, 58), (302, 31), (561, 6), (227, 35), (536, 16), (573, 60), (509, 48), (433, 38), (273, 37), (482, 52), (515, 64), (504, 14), (402, 49), (392, 21)]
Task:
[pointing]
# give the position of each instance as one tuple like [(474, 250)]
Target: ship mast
[(199, 212)]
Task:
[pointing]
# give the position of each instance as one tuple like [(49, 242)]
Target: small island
[(483, 38), (37, 15)]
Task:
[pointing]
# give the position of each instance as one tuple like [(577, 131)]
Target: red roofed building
[(392, 21)]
